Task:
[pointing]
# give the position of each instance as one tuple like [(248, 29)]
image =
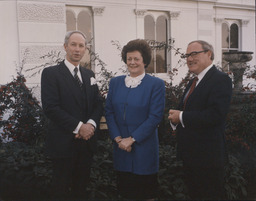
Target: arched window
[(234, 37), (230, 38), (161, 36), (71, 20), (149, 27), (156, 29), (225, 36), (78, 18)]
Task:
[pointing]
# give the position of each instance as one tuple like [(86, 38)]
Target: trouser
[(205, 183), (71, 175)]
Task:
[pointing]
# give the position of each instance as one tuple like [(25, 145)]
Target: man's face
[(197, 62), (75, 48)]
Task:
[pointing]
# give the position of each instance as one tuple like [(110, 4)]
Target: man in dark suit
[(71, 101), (200, 121)]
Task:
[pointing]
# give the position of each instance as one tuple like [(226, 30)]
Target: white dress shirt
[(71, 68), (200, 77)]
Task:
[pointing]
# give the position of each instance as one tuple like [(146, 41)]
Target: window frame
[(77, 10), (155, 16)]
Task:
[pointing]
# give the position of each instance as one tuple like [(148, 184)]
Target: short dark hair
[(205, 46), (138, 45), (70, 33)]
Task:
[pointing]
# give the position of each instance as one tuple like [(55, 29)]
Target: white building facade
[(31, 29)]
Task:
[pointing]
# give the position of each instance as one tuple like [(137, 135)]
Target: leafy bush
[(25, 172), (235, 184), (241, 127), (25, 119)]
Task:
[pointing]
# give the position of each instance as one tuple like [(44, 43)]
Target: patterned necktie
[(77, 78), (190, 91)]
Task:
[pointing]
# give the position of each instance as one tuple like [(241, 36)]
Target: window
[(80, 18), (230, 38), (156, 29)]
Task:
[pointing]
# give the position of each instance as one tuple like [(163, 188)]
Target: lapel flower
[(93, 81)]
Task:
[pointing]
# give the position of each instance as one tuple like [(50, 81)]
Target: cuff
[(90, 121), (181, 120), (78, 128), (173, 126)]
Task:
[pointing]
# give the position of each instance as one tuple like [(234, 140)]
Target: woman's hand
[(126, 144)]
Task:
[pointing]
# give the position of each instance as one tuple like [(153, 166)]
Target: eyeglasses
[(192, 54)]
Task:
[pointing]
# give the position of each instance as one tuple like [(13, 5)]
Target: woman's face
[(135, 64)]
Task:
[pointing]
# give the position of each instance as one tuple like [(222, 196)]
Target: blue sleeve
[(110, 115)]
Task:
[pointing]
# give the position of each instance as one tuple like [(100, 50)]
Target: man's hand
[(174, 116), (86, 131)]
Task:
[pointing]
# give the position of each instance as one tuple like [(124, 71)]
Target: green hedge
[(25, 172)]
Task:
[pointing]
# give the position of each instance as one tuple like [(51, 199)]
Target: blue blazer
[(136, 112), (201, 142)]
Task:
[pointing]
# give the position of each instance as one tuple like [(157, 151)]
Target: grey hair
[(205, 46), (68, 34)]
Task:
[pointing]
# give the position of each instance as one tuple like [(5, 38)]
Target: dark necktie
[(77, 78), (190, 91)]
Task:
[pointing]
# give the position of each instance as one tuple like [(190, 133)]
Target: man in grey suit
[(71, 101), (200, 122)]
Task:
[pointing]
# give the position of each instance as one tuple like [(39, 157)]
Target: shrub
[(25, 119), (25, 172), (24, 167)]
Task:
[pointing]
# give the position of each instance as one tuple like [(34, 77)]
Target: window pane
[(161, 36), (234, 36), (149, 27), (149, 31), (84, 24), (225, 36), (71, 20)]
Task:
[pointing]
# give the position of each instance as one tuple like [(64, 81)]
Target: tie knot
[(196, 79)]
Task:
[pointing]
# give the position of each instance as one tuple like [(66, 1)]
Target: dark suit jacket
[(65, 104), (202, 142)]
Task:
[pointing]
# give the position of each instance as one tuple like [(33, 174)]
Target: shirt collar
[(133, 82), (70, 66), (202, 74), (139, 77)]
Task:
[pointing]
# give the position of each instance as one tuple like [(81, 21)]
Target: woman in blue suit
[(134, 109)]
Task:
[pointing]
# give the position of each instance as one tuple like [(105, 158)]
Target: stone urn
[(237, 64)]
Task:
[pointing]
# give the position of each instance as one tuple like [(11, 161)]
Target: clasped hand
[(174, 116), (86, 131), (125, 143)]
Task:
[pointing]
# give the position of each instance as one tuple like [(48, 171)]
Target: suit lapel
[(70, 82), (184, 94), (205, 78), (86, 82), (198, 87)]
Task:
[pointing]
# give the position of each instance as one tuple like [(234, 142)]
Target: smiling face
[(135, 64), (197, 63), (75, 48)]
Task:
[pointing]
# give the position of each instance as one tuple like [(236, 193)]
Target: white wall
[(39, 26), (9, 41)]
